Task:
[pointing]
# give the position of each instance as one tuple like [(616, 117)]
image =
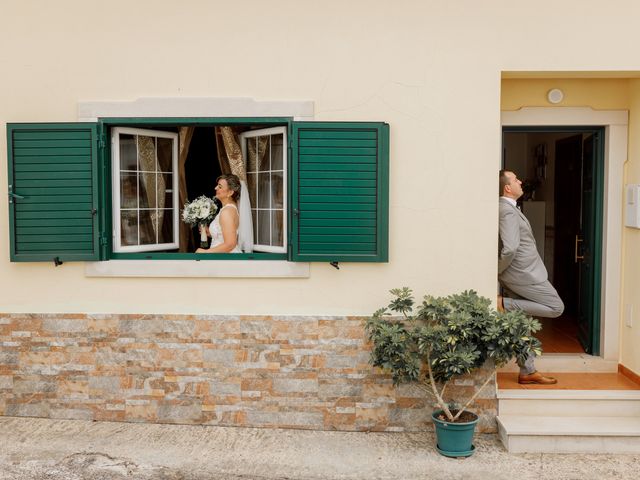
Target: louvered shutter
[(53, 191), (339, 188)]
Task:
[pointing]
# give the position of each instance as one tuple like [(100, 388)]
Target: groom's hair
[(233, 182), (504, 180)]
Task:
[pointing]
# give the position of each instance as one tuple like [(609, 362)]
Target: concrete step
[(569, 403), (568, 362), (553, 434)]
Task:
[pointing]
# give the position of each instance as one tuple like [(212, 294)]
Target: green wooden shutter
[(53, 191), (339, 192)]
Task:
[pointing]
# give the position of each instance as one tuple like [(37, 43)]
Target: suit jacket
[(518, 262)]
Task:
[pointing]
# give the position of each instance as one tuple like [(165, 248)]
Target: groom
[(521, 272)]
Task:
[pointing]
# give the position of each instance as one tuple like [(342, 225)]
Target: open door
[(587, 250), (577, 248)]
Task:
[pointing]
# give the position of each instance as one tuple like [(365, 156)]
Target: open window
[(144, 187), (113, 189), (265, 158)]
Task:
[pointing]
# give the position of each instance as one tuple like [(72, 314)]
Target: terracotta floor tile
[(559, 335), (573, 381)]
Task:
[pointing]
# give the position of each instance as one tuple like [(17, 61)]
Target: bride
[(224, 228)]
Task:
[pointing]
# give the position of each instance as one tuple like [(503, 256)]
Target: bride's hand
[(206, 229)]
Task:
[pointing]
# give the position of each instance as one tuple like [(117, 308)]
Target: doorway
[(562, 170)]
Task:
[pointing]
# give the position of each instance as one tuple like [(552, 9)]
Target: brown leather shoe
[(536, 378)]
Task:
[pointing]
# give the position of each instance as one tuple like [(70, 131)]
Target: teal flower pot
[(454, 439)]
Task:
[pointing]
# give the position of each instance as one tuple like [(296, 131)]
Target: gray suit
[(521, 270)]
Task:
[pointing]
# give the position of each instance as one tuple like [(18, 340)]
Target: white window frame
[(115, 190), (285, 179)]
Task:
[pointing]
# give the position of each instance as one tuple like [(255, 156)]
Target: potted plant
[(443, 338)]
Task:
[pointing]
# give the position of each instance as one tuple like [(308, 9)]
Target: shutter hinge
[(101, 141), (103, 240)]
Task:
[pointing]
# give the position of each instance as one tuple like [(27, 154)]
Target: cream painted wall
[(600, 94), (630, 336), (431, 69)]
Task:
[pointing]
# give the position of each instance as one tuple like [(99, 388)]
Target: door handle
[(577, 249)]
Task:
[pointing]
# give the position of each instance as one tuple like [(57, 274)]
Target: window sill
[(194, 268)]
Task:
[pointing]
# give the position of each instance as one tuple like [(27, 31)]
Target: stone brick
[(180, 413), (341, 389), (256, 328), (289, 419), (71, 413), (36, 409), (286, 385), (8, 358), (224, 357), (107, 356), (144, 326), (106, 384), (416, 418), (341, 361), (64, 325), (22, 386), (6, 381), (183, 328)]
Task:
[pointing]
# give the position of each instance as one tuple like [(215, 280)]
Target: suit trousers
[(537, 300)]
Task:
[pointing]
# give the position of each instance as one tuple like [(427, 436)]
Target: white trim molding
[(196, 107), (615, 123), (195, 268)]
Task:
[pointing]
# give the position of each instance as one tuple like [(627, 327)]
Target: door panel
[(585, 249)]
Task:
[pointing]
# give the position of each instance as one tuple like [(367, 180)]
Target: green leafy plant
[(445, 337)]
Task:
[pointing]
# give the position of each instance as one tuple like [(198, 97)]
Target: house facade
[(386, 125)]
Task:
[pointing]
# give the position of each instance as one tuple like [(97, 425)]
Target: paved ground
[(68, 449)]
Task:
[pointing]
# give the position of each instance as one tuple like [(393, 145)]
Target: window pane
[(276, 228), (128, 190), (264, 223), (147, 153), (254, 219), (276, 152), (165, 192), (147, 190), (129, 227), (252, 160), (166, 221), (128, 152), (251, 183), (276, 190), (264, 191), (148, 224), (265, 163), (165, 153)]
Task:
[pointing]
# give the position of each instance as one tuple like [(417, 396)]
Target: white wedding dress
[(216, 231)]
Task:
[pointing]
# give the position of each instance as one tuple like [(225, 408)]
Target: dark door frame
[(598, 213)]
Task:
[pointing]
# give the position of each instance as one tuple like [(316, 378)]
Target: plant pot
[(454, 439)]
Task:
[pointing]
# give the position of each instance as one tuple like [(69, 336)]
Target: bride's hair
[(233, 182)]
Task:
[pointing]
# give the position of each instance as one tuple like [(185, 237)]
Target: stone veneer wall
[(254, 371)]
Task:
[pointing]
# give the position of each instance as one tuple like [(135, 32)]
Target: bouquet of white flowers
[(200, 212)]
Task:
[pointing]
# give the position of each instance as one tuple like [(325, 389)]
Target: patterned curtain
[(185, 134), (153, 193)]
